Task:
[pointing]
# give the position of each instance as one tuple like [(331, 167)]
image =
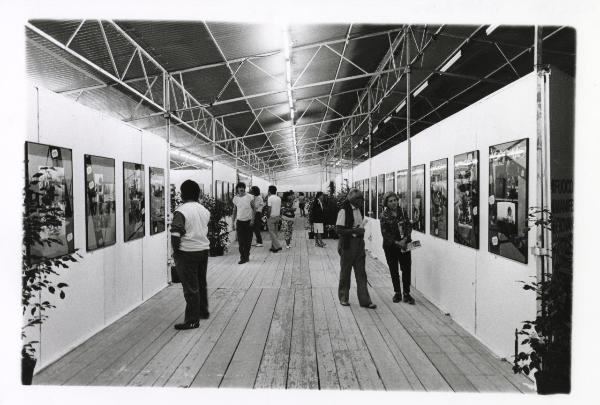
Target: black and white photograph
[(134, 201), (100, 202), (508, 200), (340, 265), (438, 219), (466, 199)]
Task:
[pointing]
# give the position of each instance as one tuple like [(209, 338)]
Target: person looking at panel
[(189, 239), (288, 213), (396, 229)]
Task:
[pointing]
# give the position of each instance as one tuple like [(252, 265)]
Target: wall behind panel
[(109, 282), (479, 289)]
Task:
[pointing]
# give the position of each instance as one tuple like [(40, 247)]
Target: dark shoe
[(345, 303), (187, 325), (408, 299), (205, 316), (370, 306), (397, 297), (243, 261)]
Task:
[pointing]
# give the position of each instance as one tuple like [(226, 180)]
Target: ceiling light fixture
[(189, 157), (491, 29), (387, 119), (401, 106), (420, 89), (288, 84), (451, 61), (376, 128)]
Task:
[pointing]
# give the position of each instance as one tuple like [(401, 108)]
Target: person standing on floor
[(274, 218), (317, 218), (189, 239), (243, 220), (288, 212), (351, 247), (302, 204), (395, 229), (259, 204)]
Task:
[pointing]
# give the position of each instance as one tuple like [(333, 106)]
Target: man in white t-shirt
[(274, 218), (189, 238), (243, 219)]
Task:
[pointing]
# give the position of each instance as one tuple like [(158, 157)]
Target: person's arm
[(177, 230), (252, 207), (233, 216)]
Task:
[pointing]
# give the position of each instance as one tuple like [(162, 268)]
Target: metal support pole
[(370, 125), (166, 104), (408, 146), (543, 235)]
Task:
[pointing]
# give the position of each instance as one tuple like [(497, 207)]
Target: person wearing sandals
[(287, 216), (258, 213), (317, 218), (395, 229), (189, 238), (350, 227)]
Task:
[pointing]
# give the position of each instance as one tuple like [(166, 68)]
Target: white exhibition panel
[(479, 289), (261, 183), (109, 282), (200, 176)]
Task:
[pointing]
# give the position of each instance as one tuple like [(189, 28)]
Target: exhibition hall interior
[(464, 131)]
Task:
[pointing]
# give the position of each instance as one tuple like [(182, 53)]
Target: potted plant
[(549, 335), (309, 227), (218, 229), (41, 217)]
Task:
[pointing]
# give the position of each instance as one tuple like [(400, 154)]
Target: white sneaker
[(289, 246), (258, 245)]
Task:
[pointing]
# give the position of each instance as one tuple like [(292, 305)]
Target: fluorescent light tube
[(376, 129), (451, 61), (387, 119), (401, 106), (420, 89), (491, 29)]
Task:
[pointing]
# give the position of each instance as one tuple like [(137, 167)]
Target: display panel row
[(507, 198), (49, 186)]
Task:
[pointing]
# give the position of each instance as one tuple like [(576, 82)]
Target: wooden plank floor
[(276, 323)]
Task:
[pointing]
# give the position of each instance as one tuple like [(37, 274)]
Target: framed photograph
[(365, 190), (380, 192), (466, 199), (390, 181), (438, 194), (402, 188), (508, 200), (157, 200), (418, 197), (373, 205), (134, 211), (49, 189), (100, 203)]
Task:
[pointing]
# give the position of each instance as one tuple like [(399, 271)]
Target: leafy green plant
[(218, 234), (548, 337), (41, 218)]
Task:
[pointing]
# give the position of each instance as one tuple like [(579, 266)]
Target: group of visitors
[(189, 230)]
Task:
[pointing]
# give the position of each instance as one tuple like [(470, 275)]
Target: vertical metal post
[(408, 145), (166, 105), (351, 161), (213, 192), (370, 127), (543, 236)]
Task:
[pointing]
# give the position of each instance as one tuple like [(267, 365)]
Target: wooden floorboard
[(276, 323)]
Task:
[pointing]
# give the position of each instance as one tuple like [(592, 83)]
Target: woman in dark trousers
[(317, 218), (258, 214), (395, 229)]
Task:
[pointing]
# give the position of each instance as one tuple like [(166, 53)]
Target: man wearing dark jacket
[(317, 218), (351, 231)]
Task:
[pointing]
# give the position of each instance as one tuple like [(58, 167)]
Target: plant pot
[(217, 251), (27, 367)]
